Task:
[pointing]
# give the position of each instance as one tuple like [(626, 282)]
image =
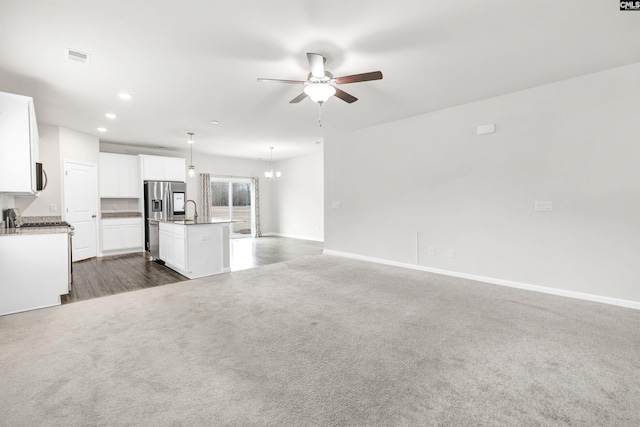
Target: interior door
[(80, 201)]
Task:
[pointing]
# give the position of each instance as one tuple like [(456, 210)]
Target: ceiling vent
[(76, 55)]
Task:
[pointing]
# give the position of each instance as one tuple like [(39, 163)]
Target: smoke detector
[(76, 55)]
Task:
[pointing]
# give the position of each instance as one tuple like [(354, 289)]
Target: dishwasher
[(154, 239)]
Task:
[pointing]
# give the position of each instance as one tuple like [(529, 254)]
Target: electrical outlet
[(53, 207), (115, 207), (432, 250), (543, 206), (452, 253)]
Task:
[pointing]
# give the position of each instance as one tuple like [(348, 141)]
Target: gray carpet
[(322, 341)]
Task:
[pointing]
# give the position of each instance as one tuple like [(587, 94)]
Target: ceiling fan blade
[(355, 78), (345, 96), (316, 63), (295, 82), (298, 98)]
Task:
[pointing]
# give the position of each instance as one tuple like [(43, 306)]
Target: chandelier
[(272, 175)]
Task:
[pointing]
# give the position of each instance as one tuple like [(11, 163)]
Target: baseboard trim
[(120, 252), (519, 285), (291, 236)]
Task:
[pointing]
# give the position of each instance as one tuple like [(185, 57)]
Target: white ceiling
[(192, 61)]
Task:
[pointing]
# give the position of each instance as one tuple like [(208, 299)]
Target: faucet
[(195, 209)]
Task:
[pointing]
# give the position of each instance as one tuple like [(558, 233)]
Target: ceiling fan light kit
[(319, 92)]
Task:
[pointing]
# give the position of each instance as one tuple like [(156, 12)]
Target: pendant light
[(270, 174), (192, 168)]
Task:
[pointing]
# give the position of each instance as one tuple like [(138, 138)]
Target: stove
[(46, 224)]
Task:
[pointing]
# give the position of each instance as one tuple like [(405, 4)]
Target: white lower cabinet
[(121, 235), (179, 247), (165, 243), (24, 287), (195, 250), (172, 245)]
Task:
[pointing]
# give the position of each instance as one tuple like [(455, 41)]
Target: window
[(232, 198)]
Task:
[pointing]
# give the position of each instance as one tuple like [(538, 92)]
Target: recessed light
[(102, 129), (110, 116), (124, 96), (214, 122)]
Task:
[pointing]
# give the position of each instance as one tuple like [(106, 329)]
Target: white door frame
[(95, 201), (230, 181)]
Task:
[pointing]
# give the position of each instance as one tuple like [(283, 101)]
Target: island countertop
[(31, 231)]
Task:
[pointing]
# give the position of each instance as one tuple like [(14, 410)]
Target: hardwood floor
[(97, 277)]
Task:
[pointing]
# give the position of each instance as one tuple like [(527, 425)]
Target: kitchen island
[(195, 248)]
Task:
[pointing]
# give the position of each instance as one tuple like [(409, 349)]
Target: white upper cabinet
[(152, 168), (130, 184), (18, 144), (119, 177), (159, 168), (174, 169)]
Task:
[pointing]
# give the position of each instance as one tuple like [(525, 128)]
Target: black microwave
[(41, 178)]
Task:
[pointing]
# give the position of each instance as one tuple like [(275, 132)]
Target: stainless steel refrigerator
[(163, 201)]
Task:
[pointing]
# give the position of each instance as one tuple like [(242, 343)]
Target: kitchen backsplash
[(6, 202), (119, 205)]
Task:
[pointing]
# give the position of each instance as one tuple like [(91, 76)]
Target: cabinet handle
[(93, 216)]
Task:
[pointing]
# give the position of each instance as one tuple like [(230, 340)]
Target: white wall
[(79, 147), (299, 197), (56, 145), (50, 197), (575, 143)]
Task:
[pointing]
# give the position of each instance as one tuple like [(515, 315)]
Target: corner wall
[(431, 182), (299, 197), (56, 145), (49, 201)]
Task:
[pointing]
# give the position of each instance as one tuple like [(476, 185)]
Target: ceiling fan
[(320, 83)]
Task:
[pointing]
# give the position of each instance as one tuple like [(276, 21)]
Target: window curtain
[(205, 181), (256, 203)]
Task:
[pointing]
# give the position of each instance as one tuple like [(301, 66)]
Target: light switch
[(486, 129), (336, 205), (53, 207)]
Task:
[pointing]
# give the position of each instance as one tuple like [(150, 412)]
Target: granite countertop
[(32, 231), (107, 215)]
